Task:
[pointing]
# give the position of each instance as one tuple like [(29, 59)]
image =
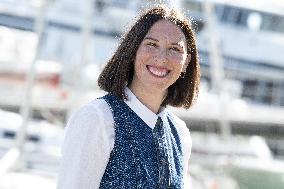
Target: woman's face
[(161, 57)]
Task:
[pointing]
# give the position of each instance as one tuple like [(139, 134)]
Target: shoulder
[(96, 110), (94, 106), (90, 118)]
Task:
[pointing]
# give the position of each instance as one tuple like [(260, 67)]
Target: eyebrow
[(150, 38), (153, 39)]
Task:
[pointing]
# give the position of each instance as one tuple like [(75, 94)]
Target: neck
[(151, 99)]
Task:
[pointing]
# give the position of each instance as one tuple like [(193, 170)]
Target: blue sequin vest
[(133, 162)]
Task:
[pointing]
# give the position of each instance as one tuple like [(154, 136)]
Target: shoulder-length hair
[(118, 72)]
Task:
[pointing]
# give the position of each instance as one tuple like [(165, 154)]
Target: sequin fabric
[(141, 158)]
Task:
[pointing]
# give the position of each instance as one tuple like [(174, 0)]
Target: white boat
[(248, 160), (43, 141), (250, 37)]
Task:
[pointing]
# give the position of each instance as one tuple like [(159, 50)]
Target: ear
[(188, 58)]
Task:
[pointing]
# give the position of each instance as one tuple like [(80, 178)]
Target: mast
[(217, 68), (13, 158), (27, 101), (87, 30)]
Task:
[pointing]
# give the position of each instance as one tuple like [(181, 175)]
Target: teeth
[(158, 72)]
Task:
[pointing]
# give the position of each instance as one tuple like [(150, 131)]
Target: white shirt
[(89, 139)]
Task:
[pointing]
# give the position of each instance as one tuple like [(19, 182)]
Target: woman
[(128, 138)]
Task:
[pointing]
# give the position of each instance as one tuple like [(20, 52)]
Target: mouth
[(158, 72)]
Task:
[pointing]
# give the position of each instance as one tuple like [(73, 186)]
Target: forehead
[(168, 30)]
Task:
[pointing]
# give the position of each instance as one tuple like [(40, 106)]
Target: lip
[(158, 69)]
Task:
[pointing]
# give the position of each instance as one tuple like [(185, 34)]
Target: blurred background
[(52, 51)]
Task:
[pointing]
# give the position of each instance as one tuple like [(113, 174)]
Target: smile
[(158, 72)]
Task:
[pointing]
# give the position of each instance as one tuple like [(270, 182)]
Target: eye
[(176, 49), (151, 44)]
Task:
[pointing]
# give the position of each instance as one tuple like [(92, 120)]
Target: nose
[(161, 56)]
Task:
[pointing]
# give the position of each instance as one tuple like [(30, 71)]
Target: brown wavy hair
[(119, 70)]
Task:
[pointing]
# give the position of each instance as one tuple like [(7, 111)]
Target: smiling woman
[(160, 59), (128, 138), (119, 71)]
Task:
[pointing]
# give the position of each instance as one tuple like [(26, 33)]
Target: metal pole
[(87, 32), (27, 100), (86, 36), (217, 68)]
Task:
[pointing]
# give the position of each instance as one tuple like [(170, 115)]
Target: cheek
[(139, 62), (178, 62), (179, 68), (142, 56)]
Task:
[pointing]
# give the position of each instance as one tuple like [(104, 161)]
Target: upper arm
[(86, 149), (186, 144)]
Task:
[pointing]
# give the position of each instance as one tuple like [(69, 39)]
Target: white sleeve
[(187, 144), (89, 138)]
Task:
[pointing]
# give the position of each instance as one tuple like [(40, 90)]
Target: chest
[(134, 161)]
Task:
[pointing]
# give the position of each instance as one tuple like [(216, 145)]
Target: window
[(9, 134), (282, 94), (273, 23), (258, 91)]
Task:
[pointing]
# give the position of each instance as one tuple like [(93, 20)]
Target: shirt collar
[(149, 117)]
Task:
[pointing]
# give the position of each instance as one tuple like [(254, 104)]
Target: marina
[(53, 51)]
